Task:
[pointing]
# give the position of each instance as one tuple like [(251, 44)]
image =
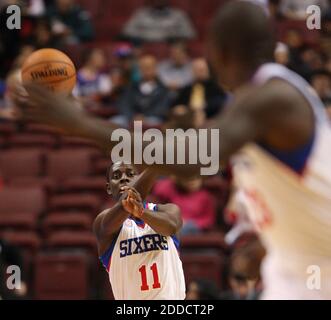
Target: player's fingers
[(136, 203), (135, 194), (125, 205)]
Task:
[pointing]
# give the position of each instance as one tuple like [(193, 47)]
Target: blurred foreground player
[(137, 241), (277, 126)]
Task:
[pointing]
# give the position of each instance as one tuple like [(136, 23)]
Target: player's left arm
[(167, 221)]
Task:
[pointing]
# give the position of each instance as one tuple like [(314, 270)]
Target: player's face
[(121, 175)]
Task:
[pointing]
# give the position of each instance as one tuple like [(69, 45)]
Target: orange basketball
[(51, 68)]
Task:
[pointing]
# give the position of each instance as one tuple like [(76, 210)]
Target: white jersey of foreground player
[(144, 265), (292, 211)]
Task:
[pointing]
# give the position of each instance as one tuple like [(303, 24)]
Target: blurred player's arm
[(276, 114)]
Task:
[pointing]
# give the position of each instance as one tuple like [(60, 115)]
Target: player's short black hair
[(243, 30)]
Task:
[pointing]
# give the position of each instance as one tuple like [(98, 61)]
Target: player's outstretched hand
[(35, 103), (133, 203)]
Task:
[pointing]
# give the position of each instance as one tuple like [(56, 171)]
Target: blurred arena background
[(136, 59)]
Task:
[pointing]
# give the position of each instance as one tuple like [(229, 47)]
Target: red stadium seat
[(69, 142), (62, 276), (67, 220), (204, 264), (72, 240), (68, 163), (208, 240), (41, 129), (32, 140), (20, 199), (96, 184), (101, 166), (21, 163), (46, 183), (7, 127), (84, 202), (27, 240), (18, 221)]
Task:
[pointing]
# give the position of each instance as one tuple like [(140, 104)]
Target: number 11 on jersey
[(156, 283)]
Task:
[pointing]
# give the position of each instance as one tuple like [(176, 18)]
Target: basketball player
[(137, 241), (278, 130)]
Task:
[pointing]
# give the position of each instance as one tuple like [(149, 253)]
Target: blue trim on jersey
[(296, 159), (105, 258), (138, 221), (176, 241)]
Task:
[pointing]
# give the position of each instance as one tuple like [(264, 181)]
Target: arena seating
[(203, 265), (17, 163), (69, 275)]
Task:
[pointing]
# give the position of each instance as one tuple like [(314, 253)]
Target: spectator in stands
[(244, 274), (148, 100), (297, 9), (125, 64), (325, 40), (42, 36), (196, 203), (202, 289), (11, 255), (282, 54), (158, 21), (93, 83), (176, 72), (321, 82), (295, 42), (202, 99), (69, 22), (7, 111)]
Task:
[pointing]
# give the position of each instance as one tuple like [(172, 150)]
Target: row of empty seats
[(65, 265)]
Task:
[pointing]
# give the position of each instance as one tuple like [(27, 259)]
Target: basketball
[(51, 68)]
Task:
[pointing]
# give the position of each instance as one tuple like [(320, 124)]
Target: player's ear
[(108, 189)]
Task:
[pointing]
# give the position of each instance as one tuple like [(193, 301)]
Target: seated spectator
[(321, 82), (282, 54), (197, 204), (7, 110), (158, 21), (244, 274), (125, 63), (148, 100), (176, 72), (302, 57), (69, 22), (42, 36), (297, 9), (92, 83), (325, 40), (202, 289), (203, 99)]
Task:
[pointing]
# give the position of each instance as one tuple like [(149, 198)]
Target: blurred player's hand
[(133, 203), (35, 103)]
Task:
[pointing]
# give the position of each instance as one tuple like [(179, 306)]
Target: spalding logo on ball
[(51, 68)]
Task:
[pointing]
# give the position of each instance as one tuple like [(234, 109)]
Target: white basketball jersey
[(291, 209), (144, 265)]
